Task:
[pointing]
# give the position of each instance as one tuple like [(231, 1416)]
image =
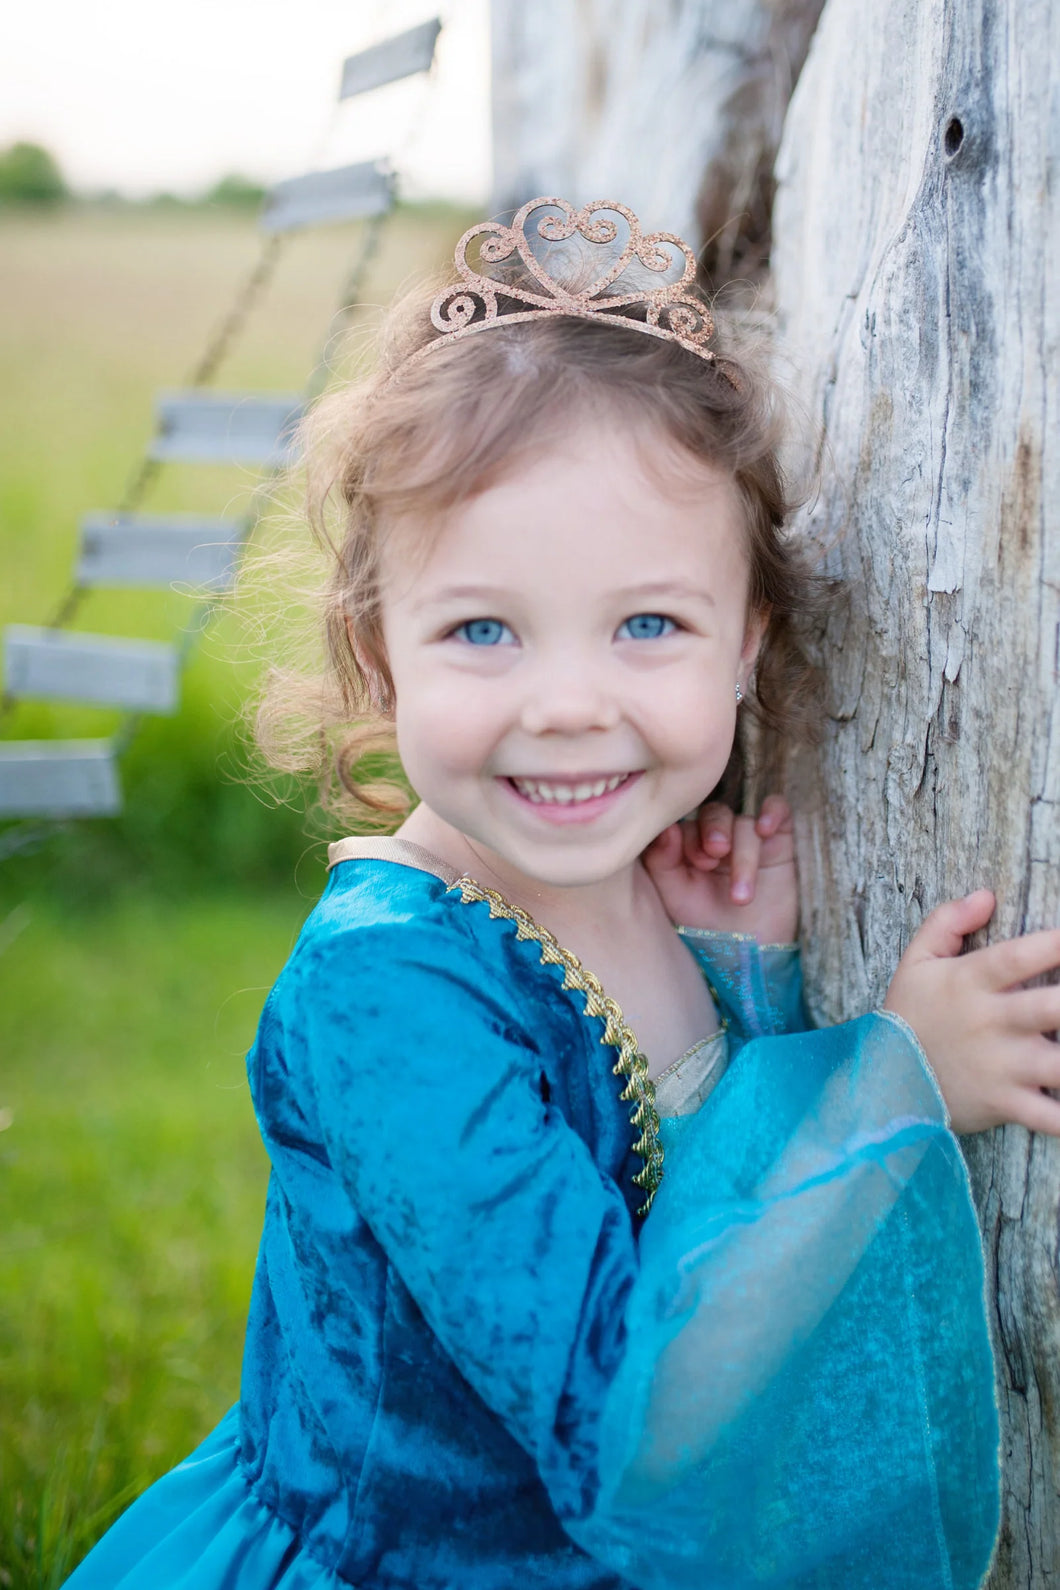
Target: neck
[(611, 899)]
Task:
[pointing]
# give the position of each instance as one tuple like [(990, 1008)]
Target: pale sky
[(142, 96)]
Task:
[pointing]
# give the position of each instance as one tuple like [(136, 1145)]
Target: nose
[(568, 695)]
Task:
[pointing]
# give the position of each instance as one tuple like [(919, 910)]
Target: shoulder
[(400, 1004), (387, 939), (376, 915), (365, 896)]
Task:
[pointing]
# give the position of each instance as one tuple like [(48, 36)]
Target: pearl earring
[(739, 693)]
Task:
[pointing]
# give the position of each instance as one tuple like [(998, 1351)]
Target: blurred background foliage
[(135, 953), (30, 174)]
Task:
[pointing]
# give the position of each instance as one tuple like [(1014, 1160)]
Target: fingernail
[(741, 891), (717, 836)]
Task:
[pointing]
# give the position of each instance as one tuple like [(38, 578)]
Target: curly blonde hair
[(419, 440)]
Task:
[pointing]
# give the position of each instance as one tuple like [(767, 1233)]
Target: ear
[(754, 634)]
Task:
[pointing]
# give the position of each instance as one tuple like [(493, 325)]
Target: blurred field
[(131, 1190), (134, 954)]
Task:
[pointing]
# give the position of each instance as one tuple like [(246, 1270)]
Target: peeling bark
[(636, 102), (916, 234)]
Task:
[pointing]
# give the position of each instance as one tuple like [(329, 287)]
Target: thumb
[(666, 851), (943, 931)]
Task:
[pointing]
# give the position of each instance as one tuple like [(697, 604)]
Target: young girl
[(602, 1278)]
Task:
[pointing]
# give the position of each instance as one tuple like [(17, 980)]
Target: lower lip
[(574, 811)]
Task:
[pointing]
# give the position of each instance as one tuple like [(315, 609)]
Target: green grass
[(135, 953), (131, 1188)]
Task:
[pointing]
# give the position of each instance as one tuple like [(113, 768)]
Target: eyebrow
[(461, 593), (666, 588), (491, 593)]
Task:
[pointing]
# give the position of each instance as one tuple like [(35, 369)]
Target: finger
[(775, 817), (1016, 960), (746, 848), (1037, 1112), (1034, 1009), (1042, 1065), (943, 931), (715, 829), (695, 857), (777, 849), (666, 850)]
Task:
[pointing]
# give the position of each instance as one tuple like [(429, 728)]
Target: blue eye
[(646, 626), (485, 632)]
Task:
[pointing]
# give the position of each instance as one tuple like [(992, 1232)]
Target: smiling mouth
[(568, 792)]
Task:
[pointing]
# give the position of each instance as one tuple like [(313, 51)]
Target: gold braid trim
[(631, 1064)]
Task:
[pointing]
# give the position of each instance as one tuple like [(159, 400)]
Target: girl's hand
[(982, 1032), (733, 874)]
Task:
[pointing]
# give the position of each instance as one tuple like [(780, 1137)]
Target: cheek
[(444, 728), (694, 718)]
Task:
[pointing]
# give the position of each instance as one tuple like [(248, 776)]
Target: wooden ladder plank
[(226, 427), (58, 778), (400, 56), (159, 550), (52, 665), (344, 194)]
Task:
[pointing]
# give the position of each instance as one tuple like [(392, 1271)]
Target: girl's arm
[(520, 1253)]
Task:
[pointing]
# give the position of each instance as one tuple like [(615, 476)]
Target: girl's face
[(566, 652)]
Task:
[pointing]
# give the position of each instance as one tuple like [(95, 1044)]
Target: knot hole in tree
[(953, 137)]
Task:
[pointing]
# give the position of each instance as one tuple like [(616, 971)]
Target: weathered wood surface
[(675, 110), (917, 233), (397, 57)]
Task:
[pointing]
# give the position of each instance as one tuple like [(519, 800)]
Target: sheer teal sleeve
[(807, 1395), (757, 988)]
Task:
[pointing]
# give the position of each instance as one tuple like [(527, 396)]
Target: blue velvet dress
[(471, 1363)]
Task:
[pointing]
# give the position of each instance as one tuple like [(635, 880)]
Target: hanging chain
[(232, 324), (349, 299)]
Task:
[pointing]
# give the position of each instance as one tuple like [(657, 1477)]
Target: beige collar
[(401, 851)]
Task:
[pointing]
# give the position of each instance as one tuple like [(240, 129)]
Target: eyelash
[(462, 631), (663, 618)]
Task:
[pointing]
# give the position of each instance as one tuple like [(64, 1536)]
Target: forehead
[(601, 502)]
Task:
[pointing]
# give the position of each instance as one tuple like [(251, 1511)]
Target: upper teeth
[(539, 789)]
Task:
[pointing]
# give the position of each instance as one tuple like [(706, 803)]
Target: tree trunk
[(916, 249), (675, 110)]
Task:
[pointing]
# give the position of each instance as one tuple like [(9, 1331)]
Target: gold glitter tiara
[(471, 305)]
